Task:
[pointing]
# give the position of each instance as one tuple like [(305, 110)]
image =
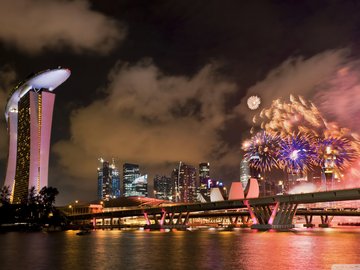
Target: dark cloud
[(7, 78), (35, 25), (296, 76)]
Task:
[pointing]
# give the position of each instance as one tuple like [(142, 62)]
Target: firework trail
[(295, 116), (262, 151)]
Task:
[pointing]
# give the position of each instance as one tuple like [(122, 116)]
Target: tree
[(47, 196), (32, 196), (5, 195), (32, 209)]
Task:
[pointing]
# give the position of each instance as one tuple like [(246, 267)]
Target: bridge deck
[(327, 196)]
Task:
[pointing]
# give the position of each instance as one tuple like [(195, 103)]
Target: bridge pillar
[(170, 218), (308, 220), (325, 221), (278, 216), (233, 220), (165, 220), (93, 221), (245, 221), (147, 220)]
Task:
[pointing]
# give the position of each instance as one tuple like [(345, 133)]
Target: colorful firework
[(262, 151), (304, 139), (253, 102), (295, 116), (337, 153), (297, 154)]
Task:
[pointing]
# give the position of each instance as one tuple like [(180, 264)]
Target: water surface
[(209, 249)]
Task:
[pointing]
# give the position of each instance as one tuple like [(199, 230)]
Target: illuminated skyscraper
[(328, 174), (140, 186), (130, 173), (185, 183), (28, 115), (204, 173), (204, 180), (163, 187), (108, 181), (134, 183), (244, 172)]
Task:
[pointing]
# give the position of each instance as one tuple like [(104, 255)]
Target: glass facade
[(134, 183), (141, 186), (244, 172), (185, 183), (23, 151), (204, 179), (108, 181), (163, 187)]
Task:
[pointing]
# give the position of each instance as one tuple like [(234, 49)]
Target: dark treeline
[(34, 212)]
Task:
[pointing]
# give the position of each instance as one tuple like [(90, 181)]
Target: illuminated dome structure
[(28, 115)]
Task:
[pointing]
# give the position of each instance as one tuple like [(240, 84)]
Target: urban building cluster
[(187, 184), (184, 184), (110, 185)]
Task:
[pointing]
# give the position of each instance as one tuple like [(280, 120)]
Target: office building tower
[(244, 172), (185, 183), (141, 186), (204, 173), (108, 181), (28, 115), (135, 184), (175, 182), (163, 187), (204, 182)]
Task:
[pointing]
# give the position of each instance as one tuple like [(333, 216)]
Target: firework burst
[(295, 116), (299, 138), (337, 150), (262, 151), (297, 154)]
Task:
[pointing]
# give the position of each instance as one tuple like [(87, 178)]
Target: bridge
[(273, 212)]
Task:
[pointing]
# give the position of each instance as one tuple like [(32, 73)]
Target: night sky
[(158, 82)]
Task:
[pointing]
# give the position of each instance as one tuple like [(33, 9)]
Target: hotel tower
[(28, 115)]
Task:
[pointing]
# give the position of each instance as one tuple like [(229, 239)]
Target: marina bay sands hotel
[(28, 115)]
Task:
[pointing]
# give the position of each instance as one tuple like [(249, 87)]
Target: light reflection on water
[(241, 249)]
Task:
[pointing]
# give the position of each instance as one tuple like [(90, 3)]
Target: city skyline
[(157, 82)]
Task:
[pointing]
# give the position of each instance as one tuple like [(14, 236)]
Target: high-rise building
[(135, 184), (244, 172), (185, 183), (28, 115), (204, 174), (175, 181), (108, 181), (204, 180), (163, 187), (141, 186), (330, 176)]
